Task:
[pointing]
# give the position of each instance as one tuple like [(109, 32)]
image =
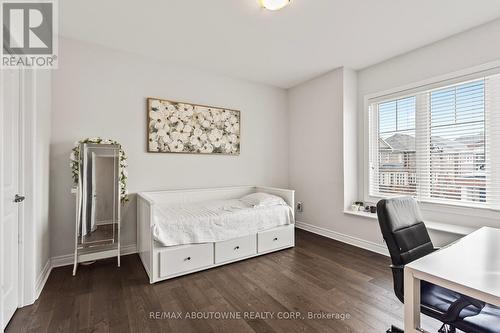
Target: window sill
[(362, 214), (436, 226)]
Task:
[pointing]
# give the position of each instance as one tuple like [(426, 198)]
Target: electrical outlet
[(300, 206)]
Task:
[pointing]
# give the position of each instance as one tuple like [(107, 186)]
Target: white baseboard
[(65, 260), (358, 242), (42, 278)]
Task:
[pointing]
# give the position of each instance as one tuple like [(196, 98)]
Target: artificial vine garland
[(75, 163)]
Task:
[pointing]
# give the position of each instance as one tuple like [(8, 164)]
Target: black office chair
[(407, 240)]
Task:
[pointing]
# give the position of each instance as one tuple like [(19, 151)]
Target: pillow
[(260, 199)]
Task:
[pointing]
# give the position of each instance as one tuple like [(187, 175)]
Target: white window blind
[(439, 145)]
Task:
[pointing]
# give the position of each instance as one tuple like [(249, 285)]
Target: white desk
[(470, 266)]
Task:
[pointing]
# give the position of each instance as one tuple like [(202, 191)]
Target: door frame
[(1, 203), (27, 186)]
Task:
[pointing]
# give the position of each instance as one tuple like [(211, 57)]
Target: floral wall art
[(175, 127)]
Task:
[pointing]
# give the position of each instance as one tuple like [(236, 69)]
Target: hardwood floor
[(318, 276)]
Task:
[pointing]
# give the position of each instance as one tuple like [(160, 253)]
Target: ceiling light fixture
[(274, 4)]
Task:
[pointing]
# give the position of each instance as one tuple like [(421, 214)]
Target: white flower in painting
[(224, 115), (198, 137), (205, 123), (164, 106), (208, 115), (207, 148), (199, 117), (232, 149), (176, 146), (153, 146), (186, 109), (233, 120), (232, 139), (174, 118), (197, 132), (184, 138), (175, 135), (195, 142), (162, 146), (164, 114), (166, 139), (192, 122), (187, 129), (155, 104), (154, 115), (217, 117), (179, 127), (163, 136), (231, 128), (215, 137), (160, 123), (179, 136)]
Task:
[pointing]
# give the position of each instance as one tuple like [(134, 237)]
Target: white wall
[(102, 92), (468, 49), (317, 121), (36, 114), (42, 105), (327, 150)]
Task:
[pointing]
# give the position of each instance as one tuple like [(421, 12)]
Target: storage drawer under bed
[(185, 258), (235, 248), (276, 238)]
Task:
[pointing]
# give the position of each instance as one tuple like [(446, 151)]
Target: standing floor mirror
[(97, 234)]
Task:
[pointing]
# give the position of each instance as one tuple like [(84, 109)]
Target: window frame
[(411, 89)]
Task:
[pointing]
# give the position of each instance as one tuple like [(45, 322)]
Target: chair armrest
[(453, 313)]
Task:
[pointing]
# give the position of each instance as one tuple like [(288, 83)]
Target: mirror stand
[(97, 197)]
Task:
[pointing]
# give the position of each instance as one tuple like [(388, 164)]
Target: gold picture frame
[(188, 128)]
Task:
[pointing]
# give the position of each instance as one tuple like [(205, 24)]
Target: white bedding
[(214, 221)]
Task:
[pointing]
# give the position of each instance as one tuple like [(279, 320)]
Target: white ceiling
[(239, 39)]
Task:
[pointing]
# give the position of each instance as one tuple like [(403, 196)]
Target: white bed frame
[(166, 262)]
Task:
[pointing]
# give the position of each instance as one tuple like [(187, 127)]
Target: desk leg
[(412, 302)]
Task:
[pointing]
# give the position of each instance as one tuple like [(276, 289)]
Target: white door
[(10, 86)]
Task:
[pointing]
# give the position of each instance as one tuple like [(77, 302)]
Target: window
[(396, 146), (439, 144)]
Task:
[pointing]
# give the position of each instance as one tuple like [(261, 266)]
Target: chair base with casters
[(444, 329), (394, 329)]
